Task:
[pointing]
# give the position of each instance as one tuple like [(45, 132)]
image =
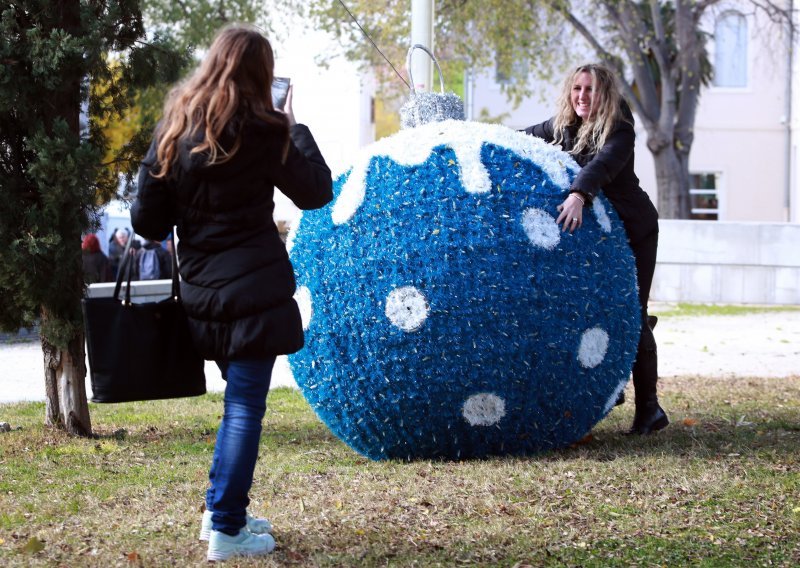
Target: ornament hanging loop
[(424, 107), (435, 62)]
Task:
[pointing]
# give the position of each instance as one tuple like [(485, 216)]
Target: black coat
[(610, 170), (96, 267), (237, 282)]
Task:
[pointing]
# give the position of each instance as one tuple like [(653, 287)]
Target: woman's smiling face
[(581, 96)]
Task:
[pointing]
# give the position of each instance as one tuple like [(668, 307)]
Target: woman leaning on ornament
[(595, 125)]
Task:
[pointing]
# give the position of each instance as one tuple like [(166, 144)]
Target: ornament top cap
[(424, 107)]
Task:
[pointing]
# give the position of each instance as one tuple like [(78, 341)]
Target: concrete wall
[(728, 263), (149, 291)]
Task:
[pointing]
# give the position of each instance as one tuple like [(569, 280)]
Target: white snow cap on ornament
[(413, 146)]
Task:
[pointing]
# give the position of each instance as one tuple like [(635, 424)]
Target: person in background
[(116, 246), (96, 267), (169, 244), (595, 125), (215, 160), (153, 262)]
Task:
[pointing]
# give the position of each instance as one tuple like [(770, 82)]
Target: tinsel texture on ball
[(446, 314), (424, 107)]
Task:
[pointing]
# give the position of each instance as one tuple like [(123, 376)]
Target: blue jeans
[(236, 450)]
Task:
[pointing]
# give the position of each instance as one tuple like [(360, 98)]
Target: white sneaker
[(222, 546), (254, 525)]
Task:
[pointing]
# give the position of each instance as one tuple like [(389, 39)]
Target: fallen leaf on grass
[(133, 557), (583, 441), (295, 556), (33, 546), (689, 422)]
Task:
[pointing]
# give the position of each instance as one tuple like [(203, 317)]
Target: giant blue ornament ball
[(446, 314)]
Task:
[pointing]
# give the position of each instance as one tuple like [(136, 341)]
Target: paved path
[(760, 344)]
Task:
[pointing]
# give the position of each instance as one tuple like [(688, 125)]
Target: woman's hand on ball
[(570, 214)]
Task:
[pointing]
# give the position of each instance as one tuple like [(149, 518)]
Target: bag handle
[(435, 62), (126, 267), (176, 289)]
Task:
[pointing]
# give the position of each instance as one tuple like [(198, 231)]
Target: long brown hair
[(605, 109), (234, 80)]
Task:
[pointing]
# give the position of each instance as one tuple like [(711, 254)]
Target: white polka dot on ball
[(593, 347), (484, 409), (303, 298), (407, 308), (541, 228)]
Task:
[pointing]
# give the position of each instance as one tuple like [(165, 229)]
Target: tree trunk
[(66, 406), (672, 179)]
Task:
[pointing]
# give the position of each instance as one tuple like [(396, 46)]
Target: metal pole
[(422, 33), (790, 55)]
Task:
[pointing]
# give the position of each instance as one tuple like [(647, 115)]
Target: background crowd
[(151, 260)]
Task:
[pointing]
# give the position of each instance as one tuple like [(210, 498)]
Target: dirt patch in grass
[(719, 487)]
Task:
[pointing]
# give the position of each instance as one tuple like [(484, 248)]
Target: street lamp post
[(422, 33)]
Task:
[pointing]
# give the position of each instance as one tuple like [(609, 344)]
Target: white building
[(336, 101), (745, 149)]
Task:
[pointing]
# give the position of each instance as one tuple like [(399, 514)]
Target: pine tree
[(54, 55)]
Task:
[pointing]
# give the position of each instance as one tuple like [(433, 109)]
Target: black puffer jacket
[(610, 170), (237, 281)]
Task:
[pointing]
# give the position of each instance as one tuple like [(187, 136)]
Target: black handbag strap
[(176, 289), (126, 269)]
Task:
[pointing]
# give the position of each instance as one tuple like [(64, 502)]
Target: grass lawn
[(695, 310), (719, 487)]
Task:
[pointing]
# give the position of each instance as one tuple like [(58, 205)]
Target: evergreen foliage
[(57, 57)]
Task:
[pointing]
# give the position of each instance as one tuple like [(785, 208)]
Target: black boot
[(651, 323), (649, 417)]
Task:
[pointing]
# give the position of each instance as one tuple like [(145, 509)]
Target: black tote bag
[(141, 351)]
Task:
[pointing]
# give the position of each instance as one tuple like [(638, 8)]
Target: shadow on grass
[(713, 437), (711, 431)]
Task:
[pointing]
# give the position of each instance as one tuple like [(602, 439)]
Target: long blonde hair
[(605, 110), (233, 81)]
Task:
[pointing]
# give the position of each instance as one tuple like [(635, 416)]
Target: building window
[(730, 53), (703, 197)]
